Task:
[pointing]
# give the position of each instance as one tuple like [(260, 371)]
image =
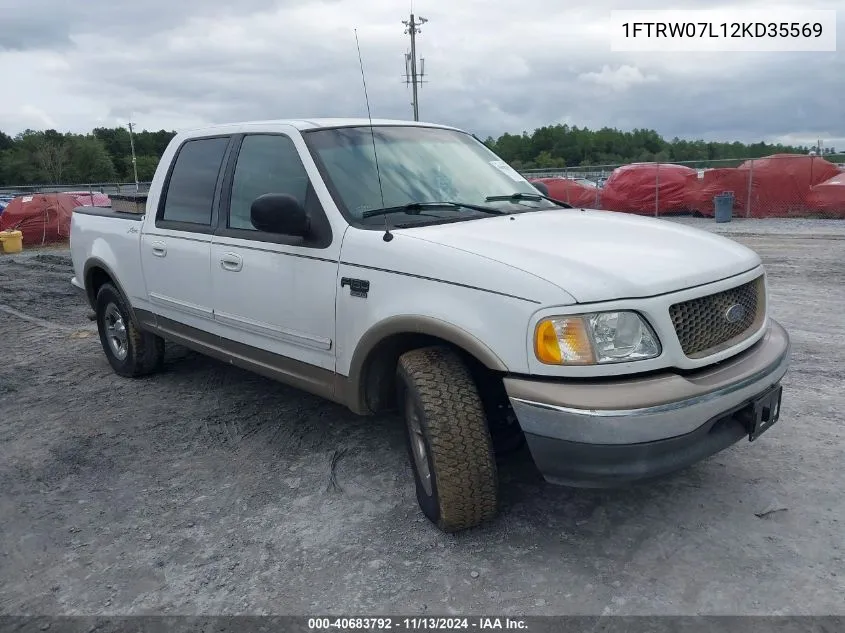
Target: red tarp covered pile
[(828, 197), (644, 188), (89, 199), (42, 218), (568, 190), (782, 183), (717, 181)]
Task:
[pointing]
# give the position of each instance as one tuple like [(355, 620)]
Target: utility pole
[(134, 161), (411, 76)]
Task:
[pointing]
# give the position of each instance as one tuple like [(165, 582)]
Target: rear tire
[(449, 443), (130, 351)]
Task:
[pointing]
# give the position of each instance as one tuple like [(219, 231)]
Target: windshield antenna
[(387, 234)]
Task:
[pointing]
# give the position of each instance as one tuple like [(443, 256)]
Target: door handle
[(159, 249), (232, 262)]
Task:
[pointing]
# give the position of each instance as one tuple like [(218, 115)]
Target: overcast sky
[(493, 67)]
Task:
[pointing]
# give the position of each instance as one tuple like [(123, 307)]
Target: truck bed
[(101, 236), (108, 212)]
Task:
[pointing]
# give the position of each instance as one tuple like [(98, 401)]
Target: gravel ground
[(207, 490), (773, 227)]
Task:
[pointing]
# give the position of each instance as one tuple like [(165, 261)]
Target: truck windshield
[(417, 165)]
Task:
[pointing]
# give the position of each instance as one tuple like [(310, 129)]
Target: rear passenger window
[(266, 164), (190, 194)]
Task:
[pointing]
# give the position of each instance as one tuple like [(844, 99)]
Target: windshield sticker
[(506, 169)]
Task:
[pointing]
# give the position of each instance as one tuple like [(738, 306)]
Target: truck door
[(275, 293), (176, 247)]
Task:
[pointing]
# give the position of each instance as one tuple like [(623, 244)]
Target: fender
[(96, 262), (411, 324)]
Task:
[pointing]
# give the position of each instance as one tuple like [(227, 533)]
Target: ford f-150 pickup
[(403, 266)]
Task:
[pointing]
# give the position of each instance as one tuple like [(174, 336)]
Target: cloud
[(52, 24), (491, 68), (617, 79), (40, 118)]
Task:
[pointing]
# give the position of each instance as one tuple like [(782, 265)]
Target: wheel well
[(95, 278), (378, 376)]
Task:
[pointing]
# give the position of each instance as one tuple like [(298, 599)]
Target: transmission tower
[(412, 27)]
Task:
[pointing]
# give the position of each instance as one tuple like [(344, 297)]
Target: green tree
[(545, 160), (90, 161), (52, 156), (146, 167), (575, 146), (36, 157)]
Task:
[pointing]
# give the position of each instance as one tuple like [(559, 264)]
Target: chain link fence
[(783, 186), (87, 187)]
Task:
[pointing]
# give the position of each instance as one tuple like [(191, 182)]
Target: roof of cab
[(315, 124)]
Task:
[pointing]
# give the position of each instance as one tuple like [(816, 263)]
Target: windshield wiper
[(415, 207), (519, 195)]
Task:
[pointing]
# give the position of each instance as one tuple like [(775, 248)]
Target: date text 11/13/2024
[(415, 624)]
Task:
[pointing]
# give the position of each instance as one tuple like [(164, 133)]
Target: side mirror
[(541, 187), (279, 213)]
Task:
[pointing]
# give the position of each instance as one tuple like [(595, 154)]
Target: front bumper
[(599, 433)]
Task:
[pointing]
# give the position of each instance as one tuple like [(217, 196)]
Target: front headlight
[(595, 338)]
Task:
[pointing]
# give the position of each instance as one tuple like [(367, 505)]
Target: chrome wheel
[(418, 449), (116, 332)]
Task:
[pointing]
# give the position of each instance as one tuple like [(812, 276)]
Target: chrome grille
[(702, 324)]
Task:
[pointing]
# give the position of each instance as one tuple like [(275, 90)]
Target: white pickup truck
[(403, 266)]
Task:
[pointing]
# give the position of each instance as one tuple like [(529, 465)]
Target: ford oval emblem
[(735, 313)]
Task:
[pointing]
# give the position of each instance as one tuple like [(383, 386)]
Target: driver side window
[(267, 163)]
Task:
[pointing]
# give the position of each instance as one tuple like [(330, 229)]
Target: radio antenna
[(387, 234)]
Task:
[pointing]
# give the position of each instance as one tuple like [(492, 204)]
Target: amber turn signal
[(563, 341)]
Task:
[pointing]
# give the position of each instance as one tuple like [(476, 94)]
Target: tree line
[(560, 146), (104, 155)]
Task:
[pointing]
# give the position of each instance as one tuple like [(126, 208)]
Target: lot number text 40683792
[(415, 624)]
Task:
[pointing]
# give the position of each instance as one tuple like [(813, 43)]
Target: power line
[(411, 75)]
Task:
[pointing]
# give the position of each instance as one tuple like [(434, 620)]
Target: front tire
[(449, 443), (130, 351)]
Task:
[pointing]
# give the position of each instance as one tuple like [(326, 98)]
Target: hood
[(598, 255)]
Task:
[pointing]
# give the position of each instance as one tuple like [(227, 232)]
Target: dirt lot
[(208, 490)]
